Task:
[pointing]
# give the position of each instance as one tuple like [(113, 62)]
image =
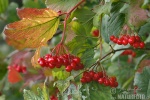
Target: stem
[(66, 18)]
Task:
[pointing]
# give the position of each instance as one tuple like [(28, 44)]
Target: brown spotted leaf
[(34, 29)]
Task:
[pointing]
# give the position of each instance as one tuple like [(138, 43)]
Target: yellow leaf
[(35, 58), (34, 29)]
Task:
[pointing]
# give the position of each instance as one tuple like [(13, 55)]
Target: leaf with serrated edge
[(142, 80), (62, 85), (34, 29)]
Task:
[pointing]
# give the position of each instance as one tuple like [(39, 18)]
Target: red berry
[(66, 62), (112, 37), (80, 66), (19, 69), (115, 40), (42, 63), (96, 77), (112, 83), (73, 64), (68, 68), (142, 44), (83, 80), (76, 60), (107, 82), (137, 38), (136, 44), (101, 80), (112, 78), (129, 52), (41, 59), (119, 42), (125, 42), (24, 69), (88, 78), (51, 66), (131, 39), (100, 74), (133, 54), (92, 73), (116, 84), (60, 61), (95, 33)]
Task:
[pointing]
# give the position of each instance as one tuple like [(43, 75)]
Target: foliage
[(34, 28)]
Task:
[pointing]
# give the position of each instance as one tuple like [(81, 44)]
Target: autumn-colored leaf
[(14, 76), (35, 58), (34, 29), (138, 16)]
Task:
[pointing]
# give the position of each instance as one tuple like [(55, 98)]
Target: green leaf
[(85, 18), (34, 4), (95, 91), (42, 94), (3, 5), (62, 85), (75, 92), (63, 5), (78, 28), (142, 80), (144, 29), (112, 25), (87, 57), (60, 74), (84, 49), (139, 60), (105, 9), (12, 13)]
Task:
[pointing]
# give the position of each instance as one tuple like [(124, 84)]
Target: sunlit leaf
[(42, 94), (62, 85), (36, 57), (14, 76), (34, 29), (63, 5)]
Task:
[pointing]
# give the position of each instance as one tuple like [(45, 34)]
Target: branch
[(66, 18), (113, 51)]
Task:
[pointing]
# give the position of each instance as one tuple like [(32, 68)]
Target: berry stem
[(66, 18)]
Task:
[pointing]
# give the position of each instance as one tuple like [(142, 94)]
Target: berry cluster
[(134, 41), (53, 97), (129, 52), (20, 69), (100, 77), (71, 62)]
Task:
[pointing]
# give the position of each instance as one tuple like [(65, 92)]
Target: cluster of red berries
[(129, 52), (71, 62), (100, 77), (53, 97), (20, 69), (134, 41)]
